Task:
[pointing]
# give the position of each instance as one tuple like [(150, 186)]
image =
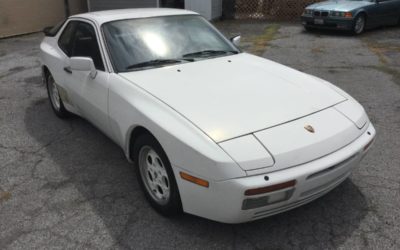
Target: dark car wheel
[(54, 96), (308, 29), (155, 175), (359, 24)]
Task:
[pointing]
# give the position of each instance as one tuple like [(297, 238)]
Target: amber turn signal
[(272, 188), (194, 180), (368, 145), (348, 14)]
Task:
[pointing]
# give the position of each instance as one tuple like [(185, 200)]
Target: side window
[(65, 40), (84, 43)]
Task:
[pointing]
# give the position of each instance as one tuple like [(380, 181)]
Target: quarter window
[(79, 39), (66, 38), (85, 44)]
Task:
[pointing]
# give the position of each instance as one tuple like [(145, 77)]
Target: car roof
[(120, 14)]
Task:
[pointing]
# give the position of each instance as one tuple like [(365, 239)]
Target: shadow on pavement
[(341, 33), (97, 168)]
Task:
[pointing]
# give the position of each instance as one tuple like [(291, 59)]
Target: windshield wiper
[(158, 62), (210, 53)]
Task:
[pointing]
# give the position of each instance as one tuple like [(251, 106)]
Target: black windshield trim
[(209, 53), (157, 63), (126, 19), (107, 46)]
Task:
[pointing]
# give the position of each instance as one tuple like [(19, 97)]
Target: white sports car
[(213, 131)]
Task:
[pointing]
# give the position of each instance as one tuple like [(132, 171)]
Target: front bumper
[(328, 23), (223, 201)]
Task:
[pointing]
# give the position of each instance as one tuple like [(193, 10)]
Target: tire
[(308, 29), (359, 24), (55, 100), (155, 176)]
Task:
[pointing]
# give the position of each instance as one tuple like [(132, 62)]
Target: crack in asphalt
[(63, 184)]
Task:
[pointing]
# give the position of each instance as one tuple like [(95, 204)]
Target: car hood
[(339, 5), (227, 97)]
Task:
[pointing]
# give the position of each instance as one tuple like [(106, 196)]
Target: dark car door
[(388, 11)]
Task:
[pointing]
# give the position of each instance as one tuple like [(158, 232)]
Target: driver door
[(89, 95), (388, 12)]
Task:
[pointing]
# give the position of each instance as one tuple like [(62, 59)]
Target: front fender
[(186, 146), (360, 11)]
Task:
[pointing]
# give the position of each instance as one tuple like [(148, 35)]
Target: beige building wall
[(26, 16)]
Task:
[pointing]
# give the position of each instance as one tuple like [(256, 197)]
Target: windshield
[(154, 42)]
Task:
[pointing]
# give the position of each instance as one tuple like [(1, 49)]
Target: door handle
[(68, 70)]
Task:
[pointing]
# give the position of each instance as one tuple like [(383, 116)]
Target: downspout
[(88, 5), (66, 7)]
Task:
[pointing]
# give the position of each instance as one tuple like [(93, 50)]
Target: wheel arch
[(362, 12), (45, 73), (134, 133), (134, 111)]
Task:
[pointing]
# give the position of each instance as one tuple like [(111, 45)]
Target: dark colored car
[(351, 15)]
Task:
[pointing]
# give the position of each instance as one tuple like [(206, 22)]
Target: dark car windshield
[(153, 42)]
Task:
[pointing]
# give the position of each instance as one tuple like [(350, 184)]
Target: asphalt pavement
[(65, 185)]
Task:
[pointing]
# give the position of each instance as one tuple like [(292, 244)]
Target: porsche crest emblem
[(309, 128)]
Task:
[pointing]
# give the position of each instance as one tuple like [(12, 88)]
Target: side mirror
[(83, 64), (236, 40)]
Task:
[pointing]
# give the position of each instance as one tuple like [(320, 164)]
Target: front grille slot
[(305, 200), (286, 207), (321, 13), (325, 186), (327, 170)]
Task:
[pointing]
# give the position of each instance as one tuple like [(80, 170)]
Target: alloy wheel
[(54, 94), (154, 175), (359, 25)]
